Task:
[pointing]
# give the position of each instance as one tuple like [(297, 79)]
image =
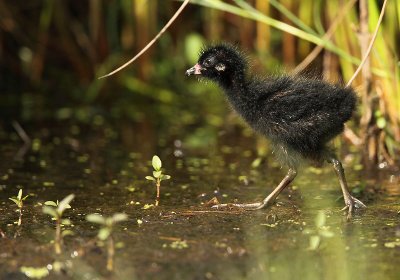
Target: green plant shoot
[(158, 176), (106, 232), (56, 211), (19, 201)]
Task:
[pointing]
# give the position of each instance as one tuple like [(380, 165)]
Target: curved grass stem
[(364, 60), (173, 18)]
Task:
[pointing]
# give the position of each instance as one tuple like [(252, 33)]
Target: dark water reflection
[(108, 177)]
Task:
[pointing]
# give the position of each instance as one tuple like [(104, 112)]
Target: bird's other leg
[(269, 200), (351, 202)]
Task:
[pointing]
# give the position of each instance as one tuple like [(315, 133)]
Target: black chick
[(300, 116)]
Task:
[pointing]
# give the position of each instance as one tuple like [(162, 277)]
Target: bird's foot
[(352, 204), (244, 206)]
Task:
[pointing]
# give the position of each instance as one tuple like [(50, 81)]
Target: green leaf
[(66, 222), (50, 211), (16, 201), (147, 206), (179, 244), (156, 162), (104, 233), (157, 174), (25, 197), (64, 204), (150, 178), (35, 272), (50, 203), (19, 194), (96, 218), (314, 242), (165, 177), (256, 163), (119, 217), (131, 188)]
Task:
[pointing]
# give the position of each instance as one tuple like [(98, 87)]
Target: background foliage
[(51, 53)]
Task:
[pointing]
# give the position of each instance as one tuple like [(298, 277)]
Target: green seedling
[(106, 232), (56, 211), (321, 231), (19, 201), (158, 176)]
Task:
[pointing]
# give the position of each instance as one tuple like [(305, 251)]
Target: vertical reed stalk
[(370, 132), (263, 31)]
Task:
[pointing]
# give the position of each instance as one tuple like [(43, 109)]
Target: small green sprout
[(19, 201), (56, 211), (147, 206), (106, 232), (158, 176)]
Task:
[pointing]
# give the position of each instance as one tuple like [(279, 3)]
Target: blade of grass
[(215, 4), (317, 17), (292, 17)]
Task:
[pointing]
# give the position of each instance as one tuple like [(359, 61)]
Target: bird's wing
[(304, 117)]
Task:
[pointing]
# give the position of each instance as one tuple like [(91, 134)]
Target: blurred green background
[(52, 52)]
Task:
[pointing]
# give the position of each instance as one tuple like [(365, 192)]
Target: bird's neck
[(235, 83), (239, 95)]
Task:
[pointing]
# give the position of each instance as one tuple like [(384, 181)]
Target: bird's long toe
[(244, 206), (352, 204)]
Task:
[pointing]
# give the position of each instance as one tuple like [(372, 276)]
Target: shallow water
[(184, 238)]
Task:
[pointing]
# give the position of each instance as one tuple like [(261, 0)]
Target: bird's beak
[(195, 70)]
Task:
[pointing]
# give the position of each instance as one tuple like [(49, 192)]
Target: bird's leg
[(269, 200), (351, 202)]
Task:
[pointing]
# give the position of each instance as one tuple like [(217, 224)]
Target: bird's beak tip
[(195, 70), (189, 72)]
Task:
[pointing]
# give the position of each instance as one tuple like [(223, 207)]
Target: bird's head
[(222, 63)]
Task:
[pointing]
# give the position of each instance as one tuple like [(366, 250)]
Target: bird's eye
[(207, 62)]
